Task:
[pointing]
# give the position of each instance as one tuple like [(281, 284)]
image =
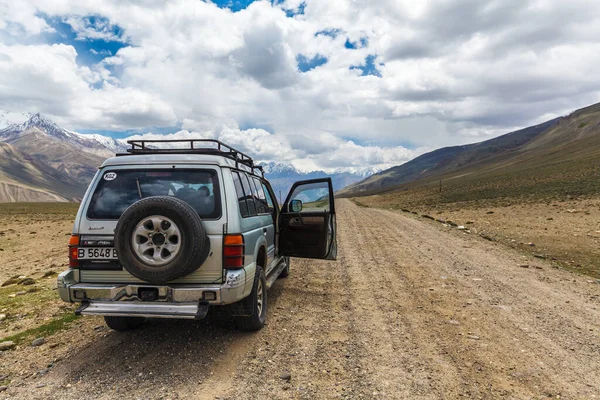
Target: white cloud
[(43, 78), (92, 28), (454, 71), (19, 18)]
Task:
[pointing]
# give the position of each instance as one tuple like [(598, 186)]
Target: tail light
[(233, 251), (73, 251)]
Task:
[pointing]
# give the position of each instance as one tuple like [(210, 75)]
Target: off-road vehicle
[(171, 228)]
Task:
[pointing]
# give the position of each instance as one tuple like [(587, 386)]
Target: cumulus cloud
[(93, 28), (430, 73), (331, 153), (47, 79)]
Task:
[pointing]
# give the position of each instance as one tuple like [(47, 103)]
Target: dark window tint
[(268, 198), (260, 197), (119, 189), (239, 190), (249, 194)]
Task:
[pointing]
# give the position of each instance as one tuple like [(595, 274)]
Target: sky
[(319, 84)]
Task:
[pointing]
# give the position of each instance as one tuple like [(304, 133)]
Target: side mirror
[(296, 205)]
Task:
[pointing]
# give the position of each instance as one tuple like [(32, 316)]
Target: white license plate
[(97, 253)]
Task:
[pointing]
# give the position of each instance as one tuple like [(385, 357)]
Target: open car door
[(307, 221)]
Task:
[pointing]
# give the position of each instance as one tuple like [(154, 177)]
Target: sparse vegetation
[(47, 329), (33, 238), (45, 210), (358, 203)]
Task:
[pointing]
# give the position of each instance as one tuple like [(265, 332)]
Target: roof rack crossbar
[(139, 147)]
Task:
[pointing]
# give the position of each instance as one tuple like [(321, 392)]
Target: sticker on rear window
[(109, 176)]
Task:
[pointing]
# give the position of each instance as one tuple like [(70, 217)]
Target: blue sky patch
[(329, 32), (356, 45), (305, 64), (233, 5), (89, 51), (369, 67), (299, 11), (162, 130)]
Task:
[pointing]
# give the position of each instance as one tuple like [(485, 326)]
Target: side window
[(313, 197), (268, 198), (239, 190), (248, 193), (260, 197)]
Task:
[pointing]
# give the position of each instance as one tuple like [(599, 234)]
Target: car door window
[(268, 198), (239, 190), (260, 199), (314, 197)]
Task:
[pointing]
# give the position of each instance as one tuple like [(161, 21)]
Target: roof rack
[(194, 146)]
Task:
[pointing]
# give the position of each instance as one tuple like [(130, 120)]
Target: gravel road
[(410, 310)]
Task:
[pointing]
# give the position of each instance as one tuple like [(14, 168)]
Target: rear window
[(119, 189)]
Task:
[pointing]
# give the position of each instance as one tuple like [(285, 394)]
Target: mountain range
[(40, 161), (559, 156), (282, 176)]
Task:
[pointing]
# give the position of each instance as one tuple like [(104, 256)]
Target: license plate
[(97, 253)]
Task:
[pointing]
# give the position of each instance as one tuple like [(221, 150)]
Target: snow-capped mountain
[(57, 154), (282, 176), (114, 145), (278, 168), (95, 144)]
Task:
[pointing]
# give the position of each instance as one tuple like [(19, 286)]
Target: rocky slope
[(25, 178)]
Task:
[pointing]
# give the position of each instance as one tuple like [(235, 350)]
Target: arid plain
[(411, 309)]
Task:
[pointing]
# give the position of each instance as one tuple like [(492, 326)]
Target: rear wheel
[(123, 323), (257, 302)]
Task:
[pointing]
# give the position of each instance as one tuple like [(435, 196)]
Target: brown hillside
[(558, 157), (23, 178)]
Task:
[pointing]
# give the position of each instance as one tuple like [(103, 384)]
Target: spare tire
[(159, 239)]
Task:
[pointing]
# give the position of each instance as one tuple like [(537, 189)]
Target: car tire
[(257, 302), (286, 271), (123, 324), (183, 246)]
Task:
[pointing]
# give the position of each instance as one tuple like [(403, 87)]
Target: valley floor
[(411, 310), (563, 229)]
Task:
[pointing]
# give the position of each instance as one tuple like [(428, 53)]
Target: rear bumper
[(144, 309), (172, 301)]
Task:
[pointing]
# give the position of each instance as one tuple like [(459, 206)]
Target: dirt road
[(410, 310)]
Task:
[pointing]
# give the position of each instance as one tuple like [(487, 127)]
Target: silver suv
[(172, 228)]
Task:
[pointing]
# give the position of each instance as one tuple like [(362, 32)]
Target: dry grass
[(33, 243)]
